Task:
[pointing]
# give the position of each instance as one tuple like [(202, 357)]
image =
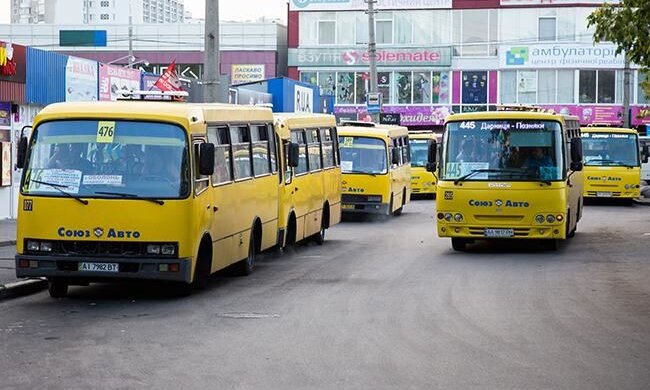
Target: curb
[(22, 287)]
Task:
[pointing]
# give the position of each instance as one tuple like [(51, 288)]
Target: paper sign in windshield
[(346, 165), (105, 131), (107, 180), (348, 141), (67, 180), (458, 169)]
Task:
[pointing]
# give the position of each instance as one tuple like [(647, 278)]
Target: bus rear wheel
[(57, 288), (245, 267), (459, 244)]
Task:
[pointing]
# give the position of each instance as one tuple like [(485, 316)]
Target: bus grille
[(99, 249), (479, 231), (499, 218)]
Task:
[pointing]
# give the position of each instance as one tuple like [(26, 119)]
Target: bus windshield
[(363, 155), (419, 152), (610, 149), (104, 159), (513, 150)]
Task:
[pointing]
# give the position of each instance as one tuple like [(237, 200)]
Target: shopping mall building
[(442, 56)]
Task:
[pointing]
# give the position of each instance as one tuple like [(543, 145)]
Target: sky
[(239, 10)]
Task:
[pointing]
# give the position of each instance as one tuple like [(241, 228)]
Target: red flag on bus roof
[(169, 80)]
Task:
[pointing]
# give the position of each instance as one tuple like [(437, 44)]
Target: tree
[(627, 24)]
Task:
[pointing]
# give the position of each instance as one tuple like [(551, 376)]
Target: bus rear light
[(23, 263), (174, 268), (550, 218)]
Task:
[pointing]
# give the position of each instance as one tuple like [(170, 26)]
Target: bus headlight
[(153, 249), (46, 246), (39, 246), (448, 217), (168, 249), (539, 218), (550, 218), (458, 217), (33, 246), (374, 198)]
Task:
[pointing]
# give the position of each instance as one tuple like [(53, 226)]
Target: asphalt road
[(382, 305)]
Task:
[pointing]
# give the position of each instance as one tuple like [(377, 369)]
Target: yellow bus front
[(366, 174), (106, 193), (505, 175), (422, 181), (612, 163)]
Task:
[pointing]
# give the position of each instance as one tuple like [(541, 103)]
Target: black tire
[(458, 244), (202, 272), (57, 288), (572, 233), (319, 238), (399, 210), (290, 240), (182, 289), (245, 267), (552, 245)]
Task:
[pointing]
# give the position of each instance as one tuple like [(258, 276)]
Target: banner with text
[(80, 80), (361, 5), (247, 73), (580, 55), (116, 78), (408, 115), (430, 56)]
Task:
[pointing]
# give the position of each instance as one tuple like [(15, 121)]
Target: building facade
[(96, 11), (440, 56)]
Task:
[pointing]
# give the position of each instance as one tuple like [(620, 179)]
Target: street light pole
[(372, 52), (130, 36), (626, 91), (211, 52)]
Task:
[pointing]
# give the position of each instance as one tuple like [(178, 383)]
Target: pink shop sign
[(640, 115), (591, 114), (409, 115)]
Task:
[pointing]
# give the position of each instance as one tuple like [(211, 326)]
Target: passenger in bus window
[(537, 159)]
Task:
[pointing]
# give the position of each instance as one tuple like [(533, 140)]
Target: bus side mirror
[(432, 157), (22, 152), (294, 154), (394, 159), (576, 150), (206, 159), (576, 166), (645, 154)]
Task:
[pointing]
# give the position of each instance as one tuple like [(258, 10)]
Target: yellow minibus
[(612, 163), (509, 175), (422, 181), (310, 198), (375, 166)]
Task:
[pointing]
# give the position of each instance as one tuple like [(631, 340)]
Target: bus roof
[(513, 115), (181, 113), (377, 131), (302, 120), (618, 130), (422, 135)]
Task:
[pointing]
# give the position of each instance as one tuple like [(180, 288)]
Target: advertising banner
[(12, 62), (474, 88), (429, 56), (80, 80), (590, 113), (247, 73), (362, 5), (640, 115), (113, 79), (553, 56), (5, 114), (304, 99), (408, 115), (520, 3)]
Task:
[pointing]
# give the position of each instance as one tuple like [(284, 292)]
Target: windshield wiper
[(130, 196), (483, 170), (534, 177), (58, 187), (613, 162)]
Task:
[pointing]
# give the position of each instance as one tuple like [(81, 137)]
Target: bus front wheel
[(57, 288), (458, 244), (245, 267)]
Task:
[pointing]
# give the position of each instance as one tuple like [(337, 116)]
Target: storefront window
[(440, 87), (327, 83), (308, 77), (546, 86), (565, 86), (361, 87), (508, 88), (587, 86), (383, 84), (546, 29), (403, 87), (345, 88), (474, 88), (421, 87), (526, 86), (641, 97), (606, 86)]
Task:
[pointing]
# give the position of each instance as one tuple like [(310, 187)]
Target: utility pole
[(211, 52), (372, 52), (130, 36), (626, 91)]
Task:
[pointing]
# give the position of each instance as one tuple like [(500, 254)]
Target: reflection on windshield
[(419, 152), (90, 158), (363, 155), (509, 149), (610, 149)]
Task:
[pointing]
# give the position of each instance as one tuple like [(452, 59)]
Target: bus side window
[(288, 172), (241, 150), (337, 151), (200, 181), (405, 150), (298, 137), (272, 148), (260, 140), (220, 137), (328, 148), (314, 149)]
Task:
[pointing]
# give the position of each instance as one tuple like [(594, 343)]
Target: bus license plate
[(99, 267), (347, 206), (499, 232), (604, 194)]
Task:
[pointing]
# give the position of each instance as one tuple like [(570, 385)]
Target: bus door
[(299, 187), (202, 195)]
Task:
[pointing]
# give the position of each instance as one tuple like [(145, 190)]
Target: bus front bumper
[(365, 207), (128, 268), (477, 232)]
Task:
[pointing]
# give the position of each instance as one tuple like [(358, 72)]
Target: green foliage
[(627, 24)]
